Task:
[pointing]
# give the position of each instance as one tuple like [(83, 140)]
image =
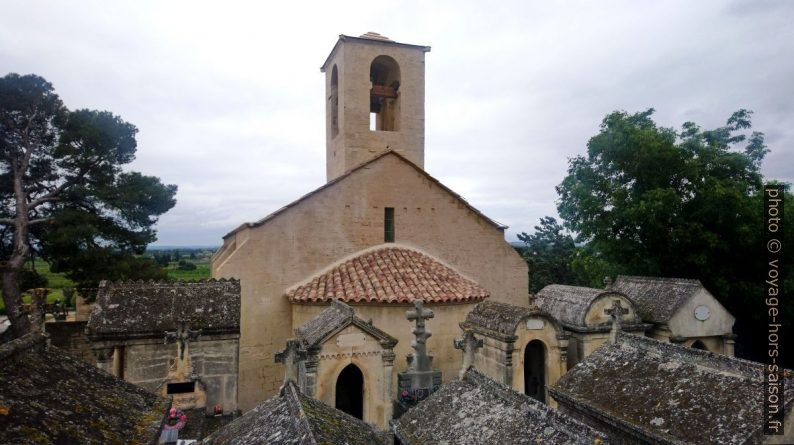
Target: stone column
[(728, 344), (388, 368)]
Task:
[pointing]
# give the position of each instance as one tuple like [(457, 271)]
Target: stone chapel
[(379, 235)]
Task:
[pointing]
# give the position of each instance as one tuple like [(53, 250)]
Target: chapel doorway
[(699, 345), (350, 391), (535, 370)]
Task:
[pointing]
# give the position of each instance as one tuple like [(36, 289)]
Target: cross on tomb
[(616, 312), (291, 357), (419, 314), (182, 336)]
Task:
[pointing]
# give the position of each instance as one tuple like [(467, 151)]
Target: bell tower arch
[(375, 101)]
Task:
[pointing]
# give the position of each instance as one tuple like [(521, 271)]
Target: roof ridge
[(663, 279), (21, 344), (291, 394)]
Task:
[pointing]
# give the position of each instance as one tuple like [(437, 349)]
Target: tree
[(652, 201), (549, 253), (64, 195)]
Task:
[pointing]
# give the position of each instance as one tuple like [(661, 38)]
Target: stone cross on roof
[(291, 356), (468, 344), (616, 312), (420, 314), (182, 336)]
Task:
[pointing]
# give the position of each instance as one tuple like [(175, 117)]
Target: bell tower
[(374, 101)]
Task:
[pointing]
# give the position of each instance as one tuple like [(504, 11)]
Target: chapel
[(381, 234)]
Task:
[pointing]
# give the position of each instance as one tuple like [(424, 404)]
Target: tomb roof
[(292, 418), (332, 320), (499, 317), (48, 396), (570, 305), (657, 299), (148, 308), (665, 393), (389, 275), (479, 410)]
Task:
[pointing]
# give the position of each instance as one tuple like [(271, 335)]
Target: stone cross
[(469, 345), (291, 356), (616, 312), (182, 336), (420, 314)]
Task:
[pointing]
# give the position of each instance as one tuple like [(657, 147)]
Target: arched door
[(699, 345), (350, 391), (535, 370)]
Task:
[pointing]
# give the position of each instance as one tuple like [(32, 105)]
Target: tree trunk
[(20, 323)]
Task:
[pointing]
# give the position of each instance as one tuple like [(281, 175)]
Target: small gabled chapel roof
[(389, 275), (479, 410), (292, 418), (501, 318), (353, 171), (148, 308), (332, 320), (657, 299), (664, 393), (48, 396)]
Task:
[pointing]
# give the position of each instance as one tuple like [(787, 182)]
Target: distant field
[(57, 281)]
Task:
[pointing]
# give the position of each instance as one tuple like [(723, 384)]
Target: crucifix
[(616, 312), (469, 345), (291, 356), (419, 314), (182, 336)]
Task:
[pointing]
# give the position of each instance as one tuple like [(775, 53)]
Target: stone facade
[(70, 337), (507, 355), (135, 330)]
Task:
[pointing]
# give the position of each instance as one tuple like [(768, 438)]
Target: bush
[(184, 265)]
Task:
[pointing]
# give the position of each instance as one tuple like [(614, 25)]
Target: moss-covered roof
[(478, 410), (49, 397), (657, 299), (138, 308), (501, 318), (332, 320), (666, 393), (292, 418)]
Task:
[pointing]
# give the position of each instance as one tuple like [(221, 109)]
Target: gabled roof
[(353, 171), (147, 308), (665, 393), (48, 396), (332, 320), (478, 410), (389, 275), (570, 304), (657, 299), (501, 318), (292, 418)]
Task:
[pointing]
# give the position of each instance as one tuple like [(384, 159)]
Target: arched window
[(333, 100), (350, 391), (384, 97), (535, 370)]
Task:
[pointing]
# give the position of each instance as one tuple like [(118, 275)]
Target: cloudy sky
[(228, 96)]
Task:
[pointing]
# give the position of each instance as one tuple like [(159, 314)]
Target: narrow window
[(334, 102), (388, 226)]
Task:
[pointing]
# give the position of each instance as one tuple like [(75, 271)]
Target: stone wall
[(146, 363), (70, 336), (338, 221)]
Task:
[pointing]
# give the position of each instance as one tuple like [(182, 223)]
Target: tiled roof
[(389, 275), (659, 392), (657, 299), (478, 410), (48, 396), (140, 308), (292, 418)]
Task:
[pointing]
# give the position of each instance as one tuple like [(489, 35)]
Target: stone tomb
[(172, 338)]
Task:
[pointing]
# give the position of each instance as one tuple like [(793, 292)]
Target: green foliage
[(186, 265), (648, 200), (83, 213), (549, 254), (202, 272)]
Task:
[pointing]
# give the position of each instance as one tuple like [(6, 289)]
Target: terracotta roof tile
[(389, 275)]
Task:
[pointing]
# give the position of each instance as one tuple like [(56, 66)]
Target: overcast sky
[(228, 96)]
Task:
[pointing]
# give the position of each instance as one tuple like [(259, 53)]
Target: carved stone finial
[(616, 312), (469, 345)]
